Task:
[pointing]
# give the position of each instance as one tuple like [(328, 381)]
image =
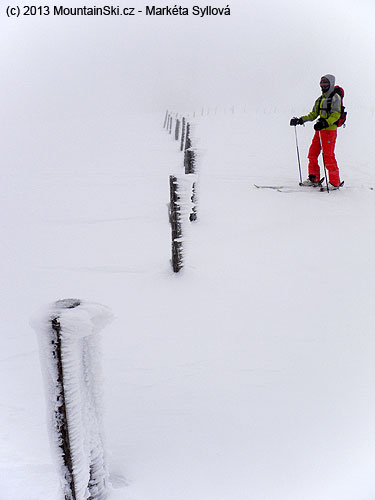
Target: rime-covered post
[(177, 129), (68, 340), (165, 119), (189, 156), (60, 411), (193, 213), (175, 220), (187, 136), (183, 134)]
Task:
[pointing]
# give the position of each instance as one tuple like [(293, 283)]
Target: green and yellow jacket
[(327, 106)]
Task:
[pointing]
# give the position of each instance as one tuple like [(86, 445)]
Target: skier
[(328, 109)]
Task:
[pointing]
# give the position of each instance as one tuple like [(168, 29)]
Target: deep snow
[(248, 375)]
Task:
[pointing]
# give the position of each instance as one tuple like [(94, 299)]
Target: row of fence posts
[(178, 187), (67, 334)]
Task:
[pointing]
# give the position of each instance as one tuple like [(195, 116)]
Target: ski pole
[(299, 162), (324, 163)]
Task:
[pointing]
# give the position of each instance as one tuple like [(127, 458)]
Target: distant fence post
[(68, 343), (193, 213), (177, 129), (175, 220), (189, 155), (183, 134), (165, 119)]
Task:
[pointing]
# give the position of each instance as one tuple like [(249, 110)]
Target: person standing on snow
[(328, 109)]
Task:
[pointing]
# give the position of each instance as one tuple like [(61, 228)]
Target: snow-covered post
[(189, 163), (165, 119), (175, 220), (183, 134), (187, 137), (193, 213), (177, 129), (68, 338), (169, 119), (189, 157)]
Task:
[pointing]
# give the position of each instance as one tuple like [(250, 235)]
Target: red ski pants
[(327, 142)]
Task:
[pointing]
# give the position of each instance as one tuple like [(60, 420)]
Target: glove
[(296, 121), (321, 124)]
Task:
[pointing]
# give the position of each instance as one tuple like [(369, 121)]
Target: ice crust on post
[(187, 196), (68, 333)]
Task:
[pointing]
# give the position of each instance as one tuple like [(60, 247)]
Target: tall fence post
[(175, 220), (67, 334), (61, 418)]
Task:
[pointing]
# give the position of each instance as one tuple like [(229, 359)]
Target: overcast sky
[(267, 52)]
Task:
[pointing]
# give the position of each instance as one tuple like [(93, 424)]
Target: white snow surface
[(249, 374)]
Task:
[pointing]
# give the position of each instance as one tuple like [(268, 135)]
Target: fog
[(265, 54), (84, 194)]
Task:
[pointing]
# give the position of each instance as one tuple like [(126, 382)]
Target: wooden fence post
[(189, 156), (193, 213), (61, 418), (67, 339), (177, 129), (183, 134), (175, 220), (165, 119)]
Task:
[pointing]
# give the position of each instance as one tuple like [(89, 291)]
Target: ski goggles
[(324, 83)]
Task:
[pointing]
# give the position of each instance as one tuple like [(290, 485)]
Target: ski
[(317, 184), (286, 189), (269, 187), (333, 188), (301, 187)]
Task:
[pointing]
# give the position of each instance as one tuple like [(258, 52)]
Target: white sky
[(268, 52)]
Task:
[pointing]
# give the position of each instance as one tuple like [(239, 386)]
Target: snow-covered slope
[(248, 375)]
